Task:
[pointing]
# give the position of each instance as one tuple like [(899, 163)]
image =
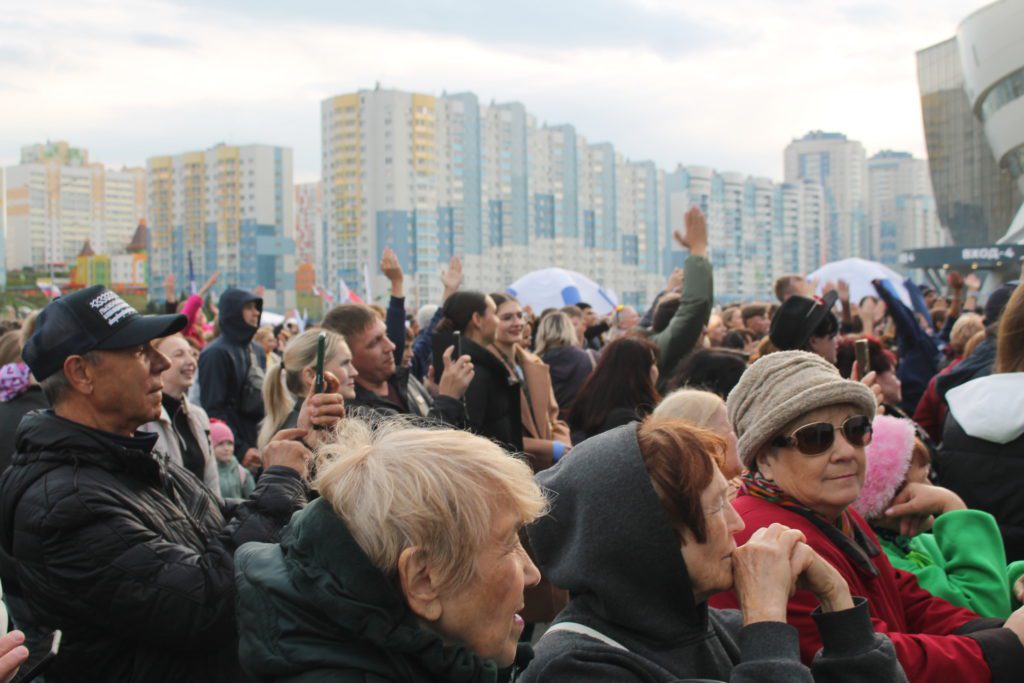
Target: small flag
[(48, 288), (323, 294), (346, 294), (191, 276), (366, 282)]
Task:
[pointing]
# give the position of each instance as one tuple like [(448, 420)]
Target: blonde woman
[(289, 383), (704, 409), (558, 346), (409, 566)]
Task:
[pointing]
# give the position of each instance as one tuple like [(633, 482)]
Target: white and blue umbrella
[(557, 287), (859, 273)]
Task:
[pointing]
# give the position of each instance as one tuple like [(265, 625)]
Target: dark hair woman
[(492, 399), (620, 390), (716, 370)]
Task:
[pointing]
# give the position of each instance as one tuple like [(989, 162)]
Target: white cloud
[(132, 80)]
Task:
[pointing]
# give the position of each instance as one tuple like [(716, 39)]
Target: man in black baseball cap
[(104, 537), (805, 324)]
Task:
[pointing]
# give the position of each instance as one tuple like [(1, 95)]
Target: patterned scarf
[(843, 532)]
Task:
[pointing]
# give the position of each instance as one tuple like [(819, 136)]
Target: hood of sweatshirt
[(609, 542), (990, 408), (232, 323)]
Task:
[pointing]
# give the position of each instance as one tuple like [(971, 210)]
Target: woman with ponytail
[(288, 384)]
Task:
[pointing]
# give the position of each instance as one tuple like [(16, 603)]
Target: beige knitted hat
[(781, 387)]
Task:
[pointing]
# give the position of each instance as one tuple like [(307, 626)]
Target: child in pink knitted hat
[(962, 559), (235, 480)]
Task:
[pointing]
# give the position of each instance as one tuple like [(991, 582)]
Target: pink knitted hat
[(219, 431), (888, 459)]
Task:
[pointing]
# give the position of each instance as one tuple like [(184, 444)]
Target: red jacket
[(920, 625), (931, 410)]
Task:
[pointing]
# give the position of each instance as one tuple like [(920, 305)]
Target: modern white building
[(231, 208), (55, 200), (839, 165), (902, 209)]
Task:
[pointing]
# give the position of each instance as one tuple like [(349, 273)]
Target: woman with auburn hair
[(982, 453), (641, 534), (407, 568), (620, 390)]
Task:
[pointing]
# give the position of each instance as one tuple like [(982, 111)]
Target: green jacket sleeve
[(683, 331), (970, 562)]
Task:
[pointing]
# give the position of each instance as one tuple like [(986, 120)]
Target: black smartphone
[(35, 667), (321, 343), (457, 353), (863, 357)]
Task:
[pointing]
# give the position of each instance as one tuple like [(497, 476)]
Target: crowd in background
[(477, 491)]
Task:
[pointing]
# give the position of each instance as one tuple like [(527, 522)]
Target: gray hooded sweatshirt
[(608, 541)]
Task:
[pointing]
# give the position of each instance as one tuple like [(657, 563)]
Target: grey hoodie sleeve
[(851, 649)]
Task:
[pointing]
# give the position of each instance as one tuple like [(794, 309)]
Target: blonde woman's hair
[(397, 485), (283, 384), (693, 405), (555, 330), (966, 326)]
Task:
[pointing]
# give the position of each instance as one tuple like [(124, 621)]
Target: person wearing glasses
[(802, 433)]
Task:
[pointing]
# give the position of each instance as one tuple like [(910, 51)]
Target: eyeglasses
[(818, 437)]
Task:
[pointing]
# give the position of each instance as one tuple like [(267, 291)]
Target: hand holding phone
[(36, 666), (458, 346)]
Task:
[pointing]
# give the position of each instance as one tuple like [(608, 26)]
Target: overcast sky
[(723, 83)]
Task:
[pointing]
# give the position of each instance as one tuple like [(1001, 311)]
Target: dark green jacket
[(683, 331), (313, 608)]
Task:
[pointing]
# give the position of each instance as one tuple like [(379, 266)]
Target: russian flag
[(48, 288)]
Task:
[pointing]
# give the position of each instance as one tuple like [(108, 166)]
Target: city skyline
[(131, 81)]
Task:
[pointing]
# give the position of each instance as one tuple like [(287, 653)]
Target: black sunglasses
[(818, 437)]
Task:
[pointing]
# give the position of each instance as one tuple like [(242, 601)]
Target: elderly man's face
[(126, 386)]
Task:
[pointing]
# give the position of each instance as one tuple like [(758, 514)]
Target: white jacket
[(168, 441)]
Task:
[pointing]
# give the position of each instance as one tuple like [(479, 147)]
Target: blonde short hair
[(966, 326), (398, 485), (693, 405)]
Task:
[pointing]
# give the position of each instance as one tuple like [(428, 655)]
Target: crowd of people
[(812, 488)]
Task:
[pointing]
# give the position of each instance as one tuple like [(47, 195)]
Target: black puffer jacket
[(223, 367), (128, 554)]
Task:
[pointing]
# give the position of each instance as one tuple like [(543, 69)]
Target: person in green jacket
[(409, 567), (235, 480), (961, 559), (686, 326)]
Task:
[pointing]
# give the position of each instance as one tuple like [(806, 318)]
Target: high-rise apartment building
[(839, 165), (902, 208), (310, 237), (432, 177), (55, 200), (758, 230), (231, 208)]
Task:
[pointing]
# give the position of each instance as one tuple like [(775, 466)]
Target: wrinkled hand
[(696, 237), (457, 375), (821, 578), (916, 504), (321, 411), (843, 288), (284, 451), (763, 573), (13, 654), (1016, 624), (675, 280), (251, 460), (451, 277)]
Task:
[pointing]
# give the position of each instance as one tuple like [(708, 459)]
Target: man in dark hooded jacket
[(230, 381), (129, 555)]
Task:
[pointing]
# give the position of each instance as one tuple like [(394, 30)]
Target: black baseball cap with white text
[(91, 319)]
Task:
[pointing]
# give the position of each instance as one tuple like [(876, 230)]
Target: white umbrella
[(557, 287), (859, 273)]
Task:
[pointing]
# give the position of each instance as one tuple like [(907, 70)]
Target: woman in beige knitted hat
[(802, 432)]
